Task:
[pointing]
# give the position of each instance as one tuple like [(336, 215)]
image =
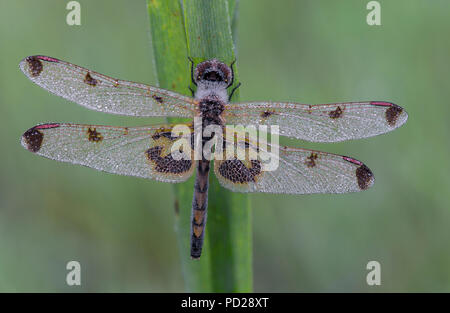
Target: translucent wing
[(294, 171), (323, 122), (140, 151), (102, 93)]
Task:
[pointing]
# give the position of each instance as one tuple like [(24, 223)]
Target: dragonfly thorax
[(212, 78), (211, 108)]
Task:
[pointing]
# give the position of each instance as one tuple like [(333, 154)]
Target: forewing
[(323, 122), (299, 171), (102, 93), (140, 151)]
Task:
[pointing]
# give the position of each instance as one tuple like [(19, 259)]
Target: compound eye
[(213, 76)]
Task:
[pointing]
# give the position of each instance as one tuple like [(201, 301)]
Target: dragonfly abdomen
[(199, 208)]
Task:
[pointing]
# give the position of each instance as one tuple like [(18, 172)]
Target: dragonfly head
[(213, 71)]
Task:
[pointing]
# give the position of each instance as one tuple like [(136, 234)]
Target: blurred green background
[(121, 229)]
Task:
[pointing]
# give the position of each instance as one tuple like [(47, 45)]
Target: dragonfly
[(146, 151)]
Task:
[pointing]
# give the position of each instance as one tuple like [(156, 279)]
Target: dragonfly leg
[(192, 91), (232, 91), (232, 73), (192, 70)]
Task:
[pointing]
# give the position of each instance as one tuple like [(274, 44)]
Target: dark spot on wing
[(311, 160), (33, 139), (167, 164), (236, 171), (93, 135), (266, 114), (35, 66), (165, 134), (364, 176), (158, 99), (156, 136), (336, 113), (88, 79), (392, 114), (169, 136)]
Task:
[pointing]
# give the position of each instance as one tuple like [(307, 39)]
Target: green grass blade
[(226, 263), (172, 68), (229, 235)]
